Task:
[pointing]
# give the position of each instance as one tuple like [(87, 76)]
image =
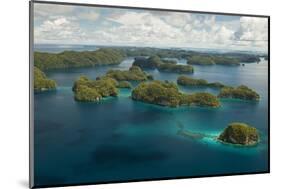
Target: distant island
[(228, 58), (168, 94), (76, 59), (41, 82), (89, 90), (244, 57), (134, 73), (162, 65), (239, 133), (212, 60), (151, 62), (241, 92), (167, 67), (188, 81), (157, 58)]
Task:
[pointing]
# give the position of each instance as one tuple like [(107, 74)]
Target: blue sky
[(67, 24)]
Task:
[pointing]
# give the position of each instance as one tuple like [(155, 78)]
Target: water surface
[(119, 139)]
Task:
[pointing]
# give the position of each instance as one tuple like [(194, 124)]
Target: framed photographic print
[(122, 94)]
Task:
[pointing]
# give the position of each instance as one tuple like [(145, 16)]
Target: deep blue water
[(119, 139)]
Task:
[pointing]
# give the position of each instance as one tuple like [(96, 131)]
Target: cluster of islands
[(148, 90)]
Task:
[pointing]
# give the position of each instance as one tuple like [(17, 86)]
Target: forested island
[(163, 93), (235, 133), (217, 57), (147, 58), (89, 90), (124, 84), (157, 58), (167, 67), (147, 63), (244, 57), (41, 82), (162, 65), (212, 60), (134, 73), (241, 92), (75, 59), (168, 94), (188, 81), (239, 133)]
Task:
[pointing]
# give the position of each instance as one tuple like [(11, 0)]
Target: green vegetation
[(223, 60), (168, 94), (175, 68), (93, 90), (216, 85), (250, 59), (162, 65), (74, 59), (169, 61), (124, 84), (135, 73), (162, 53), (212, 59), (239, 133), (240, 92), (85, 93), (200, 99), (150, 77), (200, 60), (229, 58), (157, 92), (246, 58), (188, 81), (41, 82), (148, 63)]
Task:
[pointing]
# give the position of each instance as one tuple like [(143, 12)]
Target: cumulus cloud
[(178, 29), (252, 29), (57, 30), (67, 24), (92, 16), (141, 28), (47, 10)]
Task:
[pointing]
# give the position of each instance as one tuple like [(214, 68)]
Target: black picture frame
[(31, 105)]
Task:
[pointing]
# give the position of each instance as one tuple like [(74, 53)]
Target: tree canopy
[(188, 81), (86, 89), (162, 65), (240, 92), (239, 133), (168, 94), (134, 73), (212, 60), (74, 59), (41, 82)]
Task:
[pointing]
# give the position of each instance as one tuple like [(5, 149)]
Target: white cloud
[(58, 30), (141, 28), (45, 10), (252, 29), (92, 16), (173, 29), (148, 28)]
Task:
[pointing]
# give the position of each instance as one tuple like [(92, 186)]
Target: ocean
[(119, 139)]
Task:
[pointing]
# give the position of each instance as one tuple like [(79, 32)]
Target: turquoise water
[(119, 139)]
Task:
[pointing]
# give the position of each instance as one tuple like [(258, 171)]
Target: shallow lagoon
[(120, 139)]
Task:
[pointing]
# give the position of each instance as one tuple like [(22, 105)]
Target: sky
[(68, 24)]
